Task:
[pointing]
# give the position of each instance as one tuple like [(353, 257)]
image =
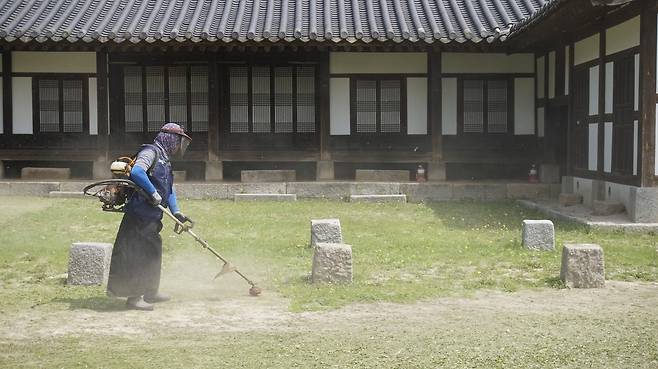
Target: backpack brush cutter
[(114, 193)]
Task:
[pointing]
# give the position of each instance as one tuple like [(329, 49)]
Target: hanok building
[(470, 89)]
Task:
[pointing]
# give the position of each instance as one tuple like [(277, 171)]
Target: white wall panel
[(607, 147), (339, 110), (449, 106), (486, 63), (593, 147), (541, 77), (524, 106), (622, 36), (586, 49), (53, 62), (21, 103), (609, 85), (567, 67), (635, 144), (594, 90), (636, 87), (551, 74), (417, 106), (354, 62), (540, 122), (93, 107)]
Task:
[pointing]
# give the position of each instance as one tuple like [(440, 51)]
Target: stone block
[(326, 190), (332, 263), (264, 197), (602, 207), (214, 171), (37, 174), (89, 263), (549, 173), (73, 186), (567, 184), (419, 192), (28, 188), (494, 192), (180, 175), (583, 266), (260, 176), (375, 188), (324, 170), (382, 175), (538, 235), (100, 169), (326, 230), (528, 191), (479, 191), (201, 190), (68, 195), (378, 198), (643, 204), (264, 188), (570, 199)]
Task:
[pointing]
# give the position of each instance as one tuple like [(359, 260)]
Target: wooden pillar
[(600, 161), (101, 164), (437, 167), (213, 114), (323, 91), (6, 94), (571, 120), (647, 94)]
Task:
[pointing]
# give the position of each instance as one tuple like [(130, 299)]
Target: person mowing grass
[(137, 253)]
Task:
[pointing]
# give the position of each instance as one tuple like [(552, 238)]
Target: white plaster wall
[(607, 147), (622, 36), (486, 63), (583, 187), (594, 90), (21, 92), (636, 87), (551, 74), (567, 51), (586, 49), (355, 62), (53, 62), (635, 145), (540, 122), (417, 106), (339, 110), (524, 106), (93, 106), (541, 77), (609, 81), (449, 106), (593, 147)]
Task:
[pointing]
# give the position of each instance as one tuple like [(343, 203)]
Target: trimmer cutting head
[(255, 291)]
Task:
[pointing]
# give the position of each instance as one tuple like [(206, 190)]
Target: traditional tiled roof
[(263, 20)]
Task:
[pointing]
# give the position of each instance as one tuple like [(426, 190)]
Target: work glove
[(182, 218), (187, 223), (155, 199)]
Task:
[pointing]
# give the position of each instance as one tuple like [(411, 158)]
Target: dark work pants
[(136, 257)]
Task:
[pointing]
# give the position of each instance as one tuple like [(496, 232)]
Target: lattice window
[(61, 104), (73, 105), (272, 99), (48, 105), (283, 119), (497, 106), (377, 105), (389, 102), (473, 106), (239, 99), (305, 99), (132, 99), (366, 106), (166, 94), (199, 98)]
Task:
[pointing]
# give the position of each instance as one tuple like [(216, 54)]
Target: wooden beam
[(434, 102), (647, 94), (323, 91), (6, 93), (601, 131)]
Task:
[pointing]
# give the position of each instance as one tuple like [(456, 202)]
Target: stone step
[(607, 207), (68, 195), (264, 197), (378, 198)]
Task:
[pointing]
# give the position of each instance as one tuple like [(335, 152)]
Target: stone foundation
[(582, 266), (332, 263), (268, 176), (89, 263), (37, 174), (376, 175)]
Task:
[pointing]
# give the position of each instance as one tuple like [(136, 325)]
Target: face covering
[(168, 141)]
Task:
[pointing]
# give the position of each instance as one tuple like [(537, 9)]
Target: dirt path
[(269, 313)]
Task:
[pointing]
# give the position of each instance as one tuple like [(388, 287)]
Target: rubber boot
[(157, 297), (138, 303)]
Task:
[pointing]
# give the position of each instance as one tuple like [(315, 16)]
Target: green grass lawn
[(402, 252)]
